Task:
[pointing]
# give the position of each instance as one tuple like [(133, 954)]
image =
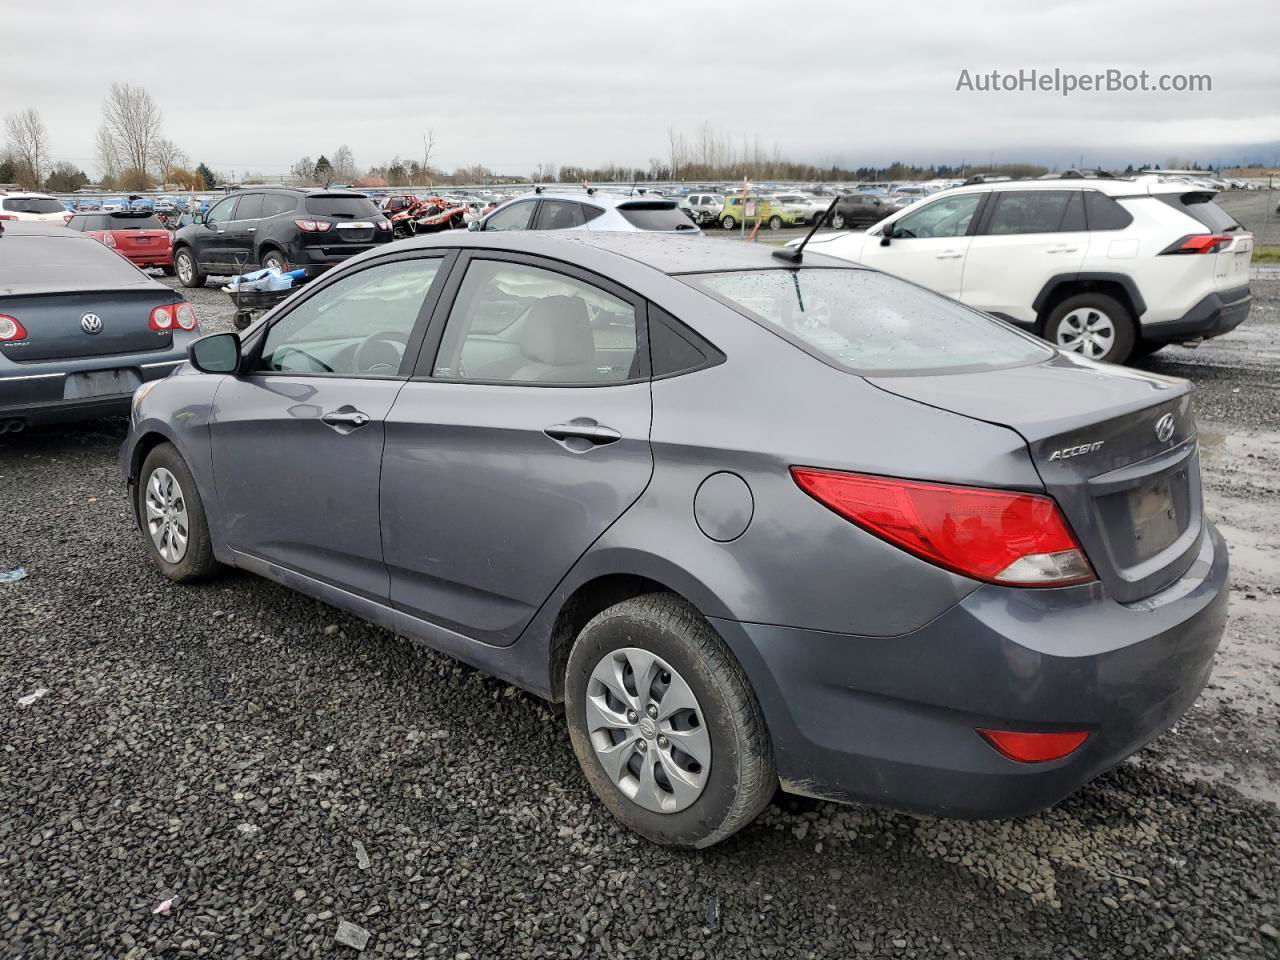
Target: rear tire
[(1093, 325), (775, 222), (172, 517), (274, 257), (188, 268), (681, 670), (837, 220)]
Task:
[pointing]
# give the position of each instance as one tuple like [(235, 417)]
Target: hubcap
[(647, 730), (1088, 331), (167, 515), (184, 266)]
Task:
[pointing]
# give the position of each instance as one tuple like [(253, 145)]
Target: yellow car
[(738, 210)]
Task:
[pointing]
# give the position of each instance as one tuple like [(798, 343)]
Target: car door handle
[(345, 418), (583, 428), (220, 231), (1062, 250), (253, 229), (949, 255)]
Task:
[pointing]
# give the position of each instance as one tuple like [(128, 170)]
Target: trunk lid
[(140, 241), (1116, 448), (57, 328)]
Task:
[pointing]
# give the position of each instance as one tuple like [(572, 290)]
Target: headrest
[(556, 331)]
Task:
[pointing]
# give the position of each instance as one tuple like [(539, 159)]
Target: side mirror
[(886, 235), (474, 226), (216, 353), (197, 218)]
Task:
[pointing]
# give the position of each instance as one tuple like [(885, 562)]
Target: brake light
[(109, 239), (11, 329), (7, 216), (1198, 243), (1004, 537), (313, 226), (161, 319), (1034, 747), (383, 224), (185, 315), (66, 218)]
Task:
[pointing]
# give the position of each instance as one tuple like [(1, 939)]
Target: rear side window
[(50, 260), (33, 205), (870, 323), (250, 207), (589, 212), (558, 215), (1029, 211), (343, 208), (274, 204), (656, 216), (1103, 213), (1201, 207)]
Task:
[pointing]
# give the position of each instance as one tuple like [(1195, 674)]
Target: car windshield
[(869, 322), (344, 208), (33, 205), (50, 260)]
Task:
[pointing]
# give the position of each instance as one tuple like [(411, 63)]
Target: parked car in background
[(739, 210), (591, 211), (810, 208), (81, 328), (278, 227), (574, 461), (32, 208), (702, 208), (862, 210), (1107, 268), (137, 235)]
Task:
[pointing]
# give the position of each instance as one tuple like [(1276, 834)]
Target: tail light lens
[(7, 216), (162, 318), (1013, 539), (185, 316), (109, 239), (66, 218), (313, 226), (11, 329), (1197, 243), (1034, 747), (383, 224)]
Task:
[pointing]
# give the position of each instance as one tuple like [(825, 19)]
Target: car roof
[(27, 195), (670, 254), (1111, 186)]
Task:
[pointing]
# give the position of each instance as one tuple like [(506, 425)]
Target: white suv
[(1109, 268), (33, 206)]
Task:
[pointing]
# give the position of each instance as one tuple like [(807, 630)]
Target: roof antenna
[(796, 255)]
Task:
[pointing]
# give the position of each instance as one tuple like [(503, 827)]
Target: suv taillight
[(1197, 243), (11, 329), (313, 226), (1005, 537)]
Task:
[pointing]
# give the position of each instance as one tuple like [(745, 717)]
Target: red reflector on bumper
[(1033, 747)]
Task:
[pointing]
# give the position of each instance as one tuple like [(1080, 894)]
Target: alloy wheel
[(184, 267), (1088, 331), (167, 515), (648, 730)]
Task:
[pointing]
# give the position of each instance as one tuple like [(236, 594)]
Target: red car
[(134, 234)]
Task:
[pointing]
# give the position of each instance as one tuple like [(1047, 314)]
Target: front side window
[(356, 326), (514, 217), (222, 212), (870, 323), (1031, 211), (516, 323), (947, 217)]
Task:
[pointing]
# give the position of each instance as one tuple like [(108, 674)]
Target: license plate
[(142, 239), (1155, 522), (100, 383)]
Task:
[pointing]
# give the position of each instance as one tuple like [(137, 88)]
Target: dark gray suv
[(756, 522)]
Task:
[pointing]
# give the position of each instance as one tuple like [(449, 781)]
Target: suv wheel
[(775, 222), (173, 517), (1093, 325), (665, 725), (188, 270), (274, 260), (728, 222), (837, 220)]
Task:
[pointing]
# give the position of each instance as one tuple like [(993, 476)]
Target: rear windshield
[(33, 205), (1202, 208), (344, 208), (871, 323), (661, 215), (125, 222), (50, 260)]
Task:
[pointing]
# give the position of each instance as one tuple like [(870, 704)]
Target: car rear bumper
[(41, 395), (159, 258), (892, 720), (1216, 314)]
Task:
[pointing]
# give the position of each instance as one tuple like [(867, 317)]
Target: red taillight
[(1014, 539), (66, 218), (7, 216), (161, 319), (109, 239), (313, 226), (1034, 747), (185, 315), (11, 329), (1197, 243)]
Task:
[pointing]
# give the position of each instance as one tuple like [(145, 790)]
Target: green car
[(738, 210)]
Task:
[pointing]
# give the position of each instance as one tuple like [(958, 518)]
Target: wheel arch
[(1119, 286)]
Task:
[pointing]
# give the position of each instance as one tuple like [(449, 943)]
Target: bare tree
[(28, 146), (304, 171), (344, 164), (168, 157), (428, 144), (108, 159), (131, 122)]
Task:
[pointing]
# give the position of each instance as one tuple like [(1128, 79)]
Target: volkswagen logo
[(91, 323), (1164, 427)]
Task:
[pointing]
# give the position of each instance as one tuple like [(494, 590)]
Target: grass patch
[(1268, 253)]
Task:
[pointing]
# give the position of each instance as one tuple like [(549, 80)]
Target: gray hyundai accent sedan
[(757, 523)]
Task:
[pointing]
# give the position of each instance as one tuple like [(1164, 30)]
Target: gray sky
[(251, 88)]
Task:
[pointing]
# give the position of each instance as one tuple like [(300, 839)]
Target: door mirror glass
[(474, 226), (216, 353), (197, 218)]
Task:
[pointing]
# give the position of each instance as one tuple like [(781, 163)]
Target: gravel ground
[(234, 770)]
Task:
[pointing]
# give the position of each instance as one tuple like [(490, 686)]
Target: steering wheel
[(375, 354), (281, 356)]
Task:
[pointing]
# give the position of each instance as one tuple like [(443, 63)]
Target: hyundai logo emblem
[(91, 323), (1164, 427)]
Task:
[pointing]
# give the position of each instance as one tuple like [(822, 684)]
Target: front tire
[(172, 517), (665, 725), (1093, 325), (837, 220), (188, 268), (775, 223), (728, 222)]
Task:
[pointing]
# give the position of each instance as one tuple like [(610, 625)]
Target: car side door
[(297, 437), (1024, 238), (241, 231), (522, 436), (927, 244), (210, 240)]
